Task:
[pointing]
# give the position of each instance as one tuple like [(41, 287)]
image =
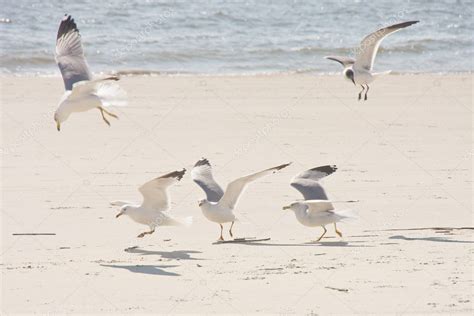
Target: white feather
[(111, 94)]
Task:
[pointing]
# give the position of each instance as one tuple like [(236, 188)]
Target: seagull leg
[(360, 93), (103, 117), (230, 230), (146, 233), (110, 113), (324, 233), (221, 238), (366, 91), (337, 232)]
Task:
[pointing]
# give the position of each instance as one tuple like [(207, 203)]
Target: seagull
[(153, 211), (316, 209), (82, 92), (219, 206), (359, 70)]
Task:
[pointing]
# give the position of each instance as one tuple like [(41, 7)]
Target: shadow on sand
[(309, 244), (338, 243), (145, 269), (176, 254), (435, 239)]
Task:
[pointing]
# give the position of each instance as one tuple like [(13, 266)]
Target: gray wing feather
[(307, 182), (202, 175), (370, 44), (310, 190), (344, 61), (70, 55)]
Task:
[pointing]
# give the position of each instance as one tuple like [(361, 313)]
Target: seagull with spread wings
[(316, 209), (359, 70), (82, 92), (153, 211), (218, 206)]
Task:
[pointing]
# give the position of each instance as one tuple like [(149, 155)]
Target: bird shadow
[(176, 254), (306, 244), (340, 243), (272, 244), (434, 239), (145, 269)]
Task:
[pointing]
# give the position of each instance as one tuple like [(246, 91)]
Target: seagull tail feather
[(111, 94), (382, 73), (185, 221), (346, 215)]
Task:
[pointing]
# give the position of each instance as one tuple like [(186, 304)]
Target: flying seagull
[(316, 209), (359, 70), (153, 211), (82, 92), (218, 206)]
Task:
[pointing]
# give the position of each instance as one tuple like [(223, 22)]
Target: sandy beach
[(405, 154)]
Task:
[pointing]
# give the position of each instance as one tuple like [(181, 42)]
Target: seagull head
[(293, 206), (59, 117), (123, 210), (349, 74), (58, 124)]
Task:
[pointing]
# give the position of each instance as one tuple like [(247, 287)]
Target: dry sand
[(406, 154)]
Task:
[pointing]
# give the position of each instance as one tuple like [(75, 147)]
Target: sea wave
[(236, 37)]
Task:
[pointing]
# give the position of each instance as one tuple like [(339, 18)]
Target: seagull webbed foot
[(146, 233), (110, 113), (324, 233), (337, 231), (230, 230), (360, 93), (221, 238), (103, 117)]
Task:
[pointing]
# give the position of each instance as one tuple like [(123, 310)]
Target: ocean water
[(237, 37)]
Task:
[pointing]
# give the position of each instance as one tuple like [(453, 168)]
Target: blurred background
[(236, 37)]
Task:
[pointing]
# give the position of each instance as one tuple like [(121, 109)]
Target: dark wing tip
[(202, 162), (281, 166), (403, 24), (328, 169), (334, 59), (175, 174), (67, 25), (340, 59), (114, 78)]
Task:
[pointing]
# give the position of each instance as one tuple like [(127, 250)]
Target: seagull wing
[(236, 187), (202, 175), (82, 88), (155, 192), (370, 44), (120, 203), (307, 182), (69, 53), (318, 206), (344, 61)]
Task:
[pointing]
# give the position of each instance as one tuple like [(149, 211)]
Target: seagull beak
[(286, 207), (118, 215), (353, 81), (58, 126)]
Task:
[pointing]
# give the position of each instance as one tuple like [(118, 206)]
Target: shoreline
[(146, 73)]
